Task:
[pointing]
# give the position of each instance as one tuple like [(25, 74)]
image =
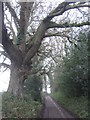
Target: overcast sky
[(4, 80)]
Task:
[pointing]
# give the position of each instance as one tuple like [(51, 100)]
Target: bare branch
[(4, 54), (63, 7), (11, 28), (57, 34), (58, 11), (53, 58), (24, 17), (37, 39), (13, 13), (5, 65), (77, 6), (66, 25), (14, 53)]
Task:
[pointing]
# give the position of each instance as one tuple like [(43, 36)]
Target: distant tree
[(33, 86), (72, 75)]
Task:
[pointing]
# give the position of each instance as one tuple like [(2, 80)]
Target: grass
[(12, 107), (78, 105)]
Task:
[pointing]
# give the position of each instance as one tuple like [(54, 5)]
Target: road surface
[(53, 110)]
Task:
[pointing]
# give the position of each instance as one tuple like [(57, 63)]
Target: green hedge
[(78, 105)]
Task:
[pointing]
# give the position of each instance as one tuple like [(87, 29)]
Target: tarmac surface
[(53, 110)]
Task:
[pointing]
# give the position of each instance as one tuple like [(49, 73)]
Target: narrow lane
[(53, 110)]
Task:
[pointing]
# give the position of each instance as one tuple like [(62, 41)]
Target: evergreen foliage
[(72, 75), (33, 86), (70, 85)]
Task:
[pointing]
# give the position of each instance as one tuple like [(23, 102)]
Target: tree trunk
[(45, 82), (16, 81)]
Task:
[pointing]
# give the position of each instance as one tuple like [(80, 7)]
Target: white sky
[(4, 76), (4, 80)]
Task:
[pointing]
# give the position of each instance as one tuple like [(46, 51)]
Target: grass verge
[(78, 105)]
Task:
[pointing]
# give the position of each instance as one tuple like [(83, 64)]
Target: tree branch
[(5, 65), (63, 7), (57, 34), (37, 39), (77, 6), (58, 11), (66, 25), (12, 51), (14, 15), (47, 23), (4, 54), (11, 29), (24, 17)]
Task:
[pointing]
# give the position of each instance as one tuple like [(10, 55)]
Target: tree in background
[(33, 86), (72, 74)]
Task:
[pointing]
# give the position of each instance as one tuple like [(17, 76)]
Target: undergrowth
[(78, 105), (12, 107)]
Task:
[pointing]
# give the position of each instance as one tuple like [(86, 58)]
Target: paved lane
[(53, 110)]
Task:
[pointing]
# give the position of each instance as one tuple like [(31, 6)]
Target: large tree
[(20, 50)]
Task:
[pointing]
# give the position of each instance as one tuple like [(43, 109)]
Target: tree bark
[(16, 81)]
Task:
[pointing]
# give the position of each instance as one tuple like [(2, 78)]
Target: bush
[(12, 107), (78, 105), (72, 76), (33, 86)]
